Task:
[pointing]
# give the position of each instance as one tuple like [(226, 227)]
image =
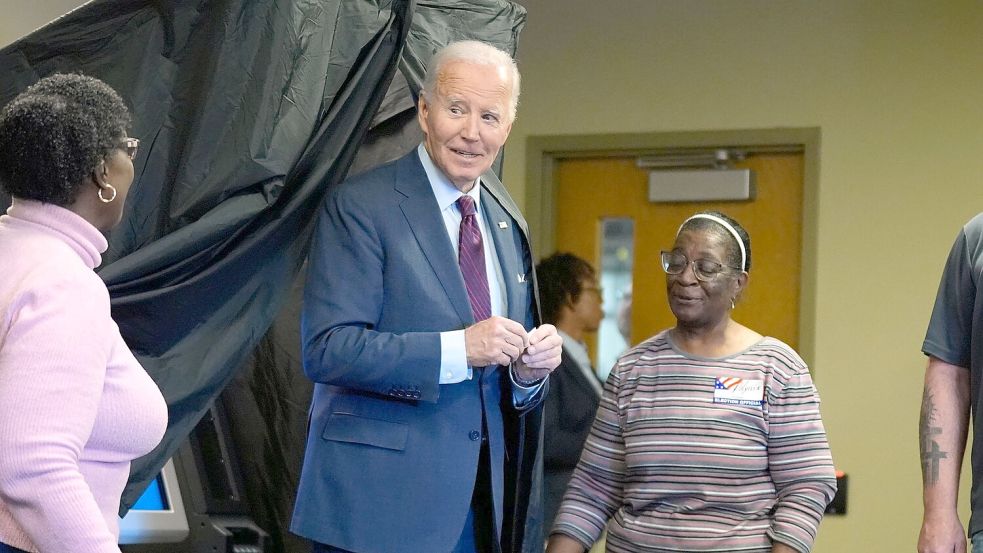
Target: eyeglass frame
[(700, 276), (130, 146), (596, 289)]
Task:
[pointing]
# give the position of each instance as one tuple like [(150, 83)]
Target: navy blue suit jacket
[(392, 455)]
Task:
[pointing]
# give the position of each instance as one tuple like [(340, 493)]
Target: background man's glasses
[(595, 289), (705, 270)]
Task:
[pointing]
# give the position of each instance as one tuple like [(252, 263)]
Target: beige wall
[(20, 17), (897, 90)]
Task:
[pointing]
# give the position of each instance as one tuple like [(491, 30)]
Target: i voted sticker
[(738, 391)]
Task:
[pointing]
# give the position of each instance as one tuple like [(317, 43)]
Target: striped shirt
[(694, 454)]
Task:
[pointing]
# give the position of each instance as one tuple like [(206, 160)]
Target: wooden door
[(589, 190)]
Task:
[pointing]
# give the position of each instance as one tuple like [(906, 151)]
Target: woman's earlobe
[(99, 174)]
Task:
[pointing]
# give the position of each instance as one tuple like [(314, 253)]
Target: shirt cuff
[(521, 395), (453, 358)]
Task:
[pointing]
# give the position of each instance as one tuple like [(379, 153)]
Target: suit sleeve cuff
[(523, 394)]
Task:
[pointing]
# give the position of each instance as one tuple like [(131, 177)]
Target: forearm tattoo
[(928, 430)]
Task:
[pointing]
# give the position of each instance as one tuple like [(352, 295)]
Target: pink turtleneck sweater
[(75, 405)]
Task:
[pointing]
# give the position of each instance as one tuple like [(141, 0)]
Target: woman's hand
[(779, 547), (560, 543)]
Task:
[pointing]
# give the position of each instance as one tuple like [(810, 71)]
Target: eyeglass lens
[(130, 146), (704, 269)]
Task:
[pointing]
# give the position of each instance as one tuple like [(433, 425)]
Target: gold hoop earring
[(104, 199)]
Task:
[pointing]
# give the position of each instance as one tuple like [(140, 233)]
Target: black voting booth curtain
[(248, 111)]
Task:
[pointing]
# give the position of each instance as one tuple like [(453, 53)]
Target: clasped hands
[(500, 341)]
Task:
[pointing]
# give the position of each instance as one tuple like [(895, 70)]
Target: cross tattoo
[(930, 452), (931, 457)]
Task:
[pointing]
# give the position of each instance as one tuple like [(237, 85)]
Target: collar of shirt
[(447, 194), (443, 189), (578, 351)]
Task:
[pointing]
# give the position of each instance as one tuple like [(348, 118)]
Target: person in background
[(954, 346), (75, 405), (420, 331), (623, 316), (708, 437), (571, 301)]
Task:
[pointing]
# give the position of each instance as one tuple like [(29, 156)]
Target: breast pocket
[(345, 427)]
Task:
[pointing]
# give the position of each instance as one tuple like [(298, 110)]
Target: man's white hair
[(472, 51)]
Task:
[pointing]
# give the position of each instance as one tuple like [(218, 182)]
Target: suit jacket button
[(474, 435)]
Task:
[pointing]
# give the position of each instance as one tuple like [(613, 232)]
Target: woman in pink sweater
[(75, 405)]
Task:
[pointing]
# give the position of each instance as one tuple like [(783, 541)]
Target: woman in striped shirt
[(708, 437)]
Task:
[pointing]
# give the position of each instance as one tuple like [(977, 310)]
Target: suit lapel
[(495, 187), (425, 221), (504, 202), (500, 227), (423, 217)]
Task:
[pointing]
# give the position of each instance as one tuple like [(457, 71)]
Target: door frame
[(543, 151)]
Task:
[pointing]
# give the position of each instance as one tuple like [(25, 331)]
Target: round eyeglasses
[(705, 270)]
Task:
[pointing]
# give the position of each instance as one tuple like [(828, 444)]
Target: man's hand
[(494, 341), (942, 533), (541, 356)]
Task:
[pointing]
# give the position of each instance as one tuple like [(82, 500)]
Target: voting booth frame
[(196, 504)]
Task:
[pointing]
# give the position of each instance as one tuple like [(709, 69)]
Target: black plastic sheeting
[(248, 111)]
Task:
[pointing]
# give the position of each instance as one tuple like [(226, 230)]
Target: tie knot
[(466, 204)]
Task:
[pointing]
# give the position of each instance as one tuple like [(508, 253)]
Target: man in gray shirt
[(954, 346)]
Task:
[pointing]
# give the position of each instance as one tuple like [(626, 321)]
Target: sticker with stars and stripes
[(738, 391)]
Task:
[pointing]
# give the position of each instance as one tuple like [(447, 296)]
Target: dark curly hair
[(560, 280), (55, 133), (715, 228)]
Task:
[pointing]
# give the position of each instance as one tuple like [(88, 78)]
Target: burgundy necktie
[(471, 256)]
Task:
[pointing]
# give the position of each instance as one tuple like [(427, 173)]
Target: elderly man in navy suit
[(420, 333)]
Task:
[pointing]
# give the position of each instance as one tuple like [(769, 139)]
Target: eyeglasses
[(595, 289), (130, 146), (705, 270)]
